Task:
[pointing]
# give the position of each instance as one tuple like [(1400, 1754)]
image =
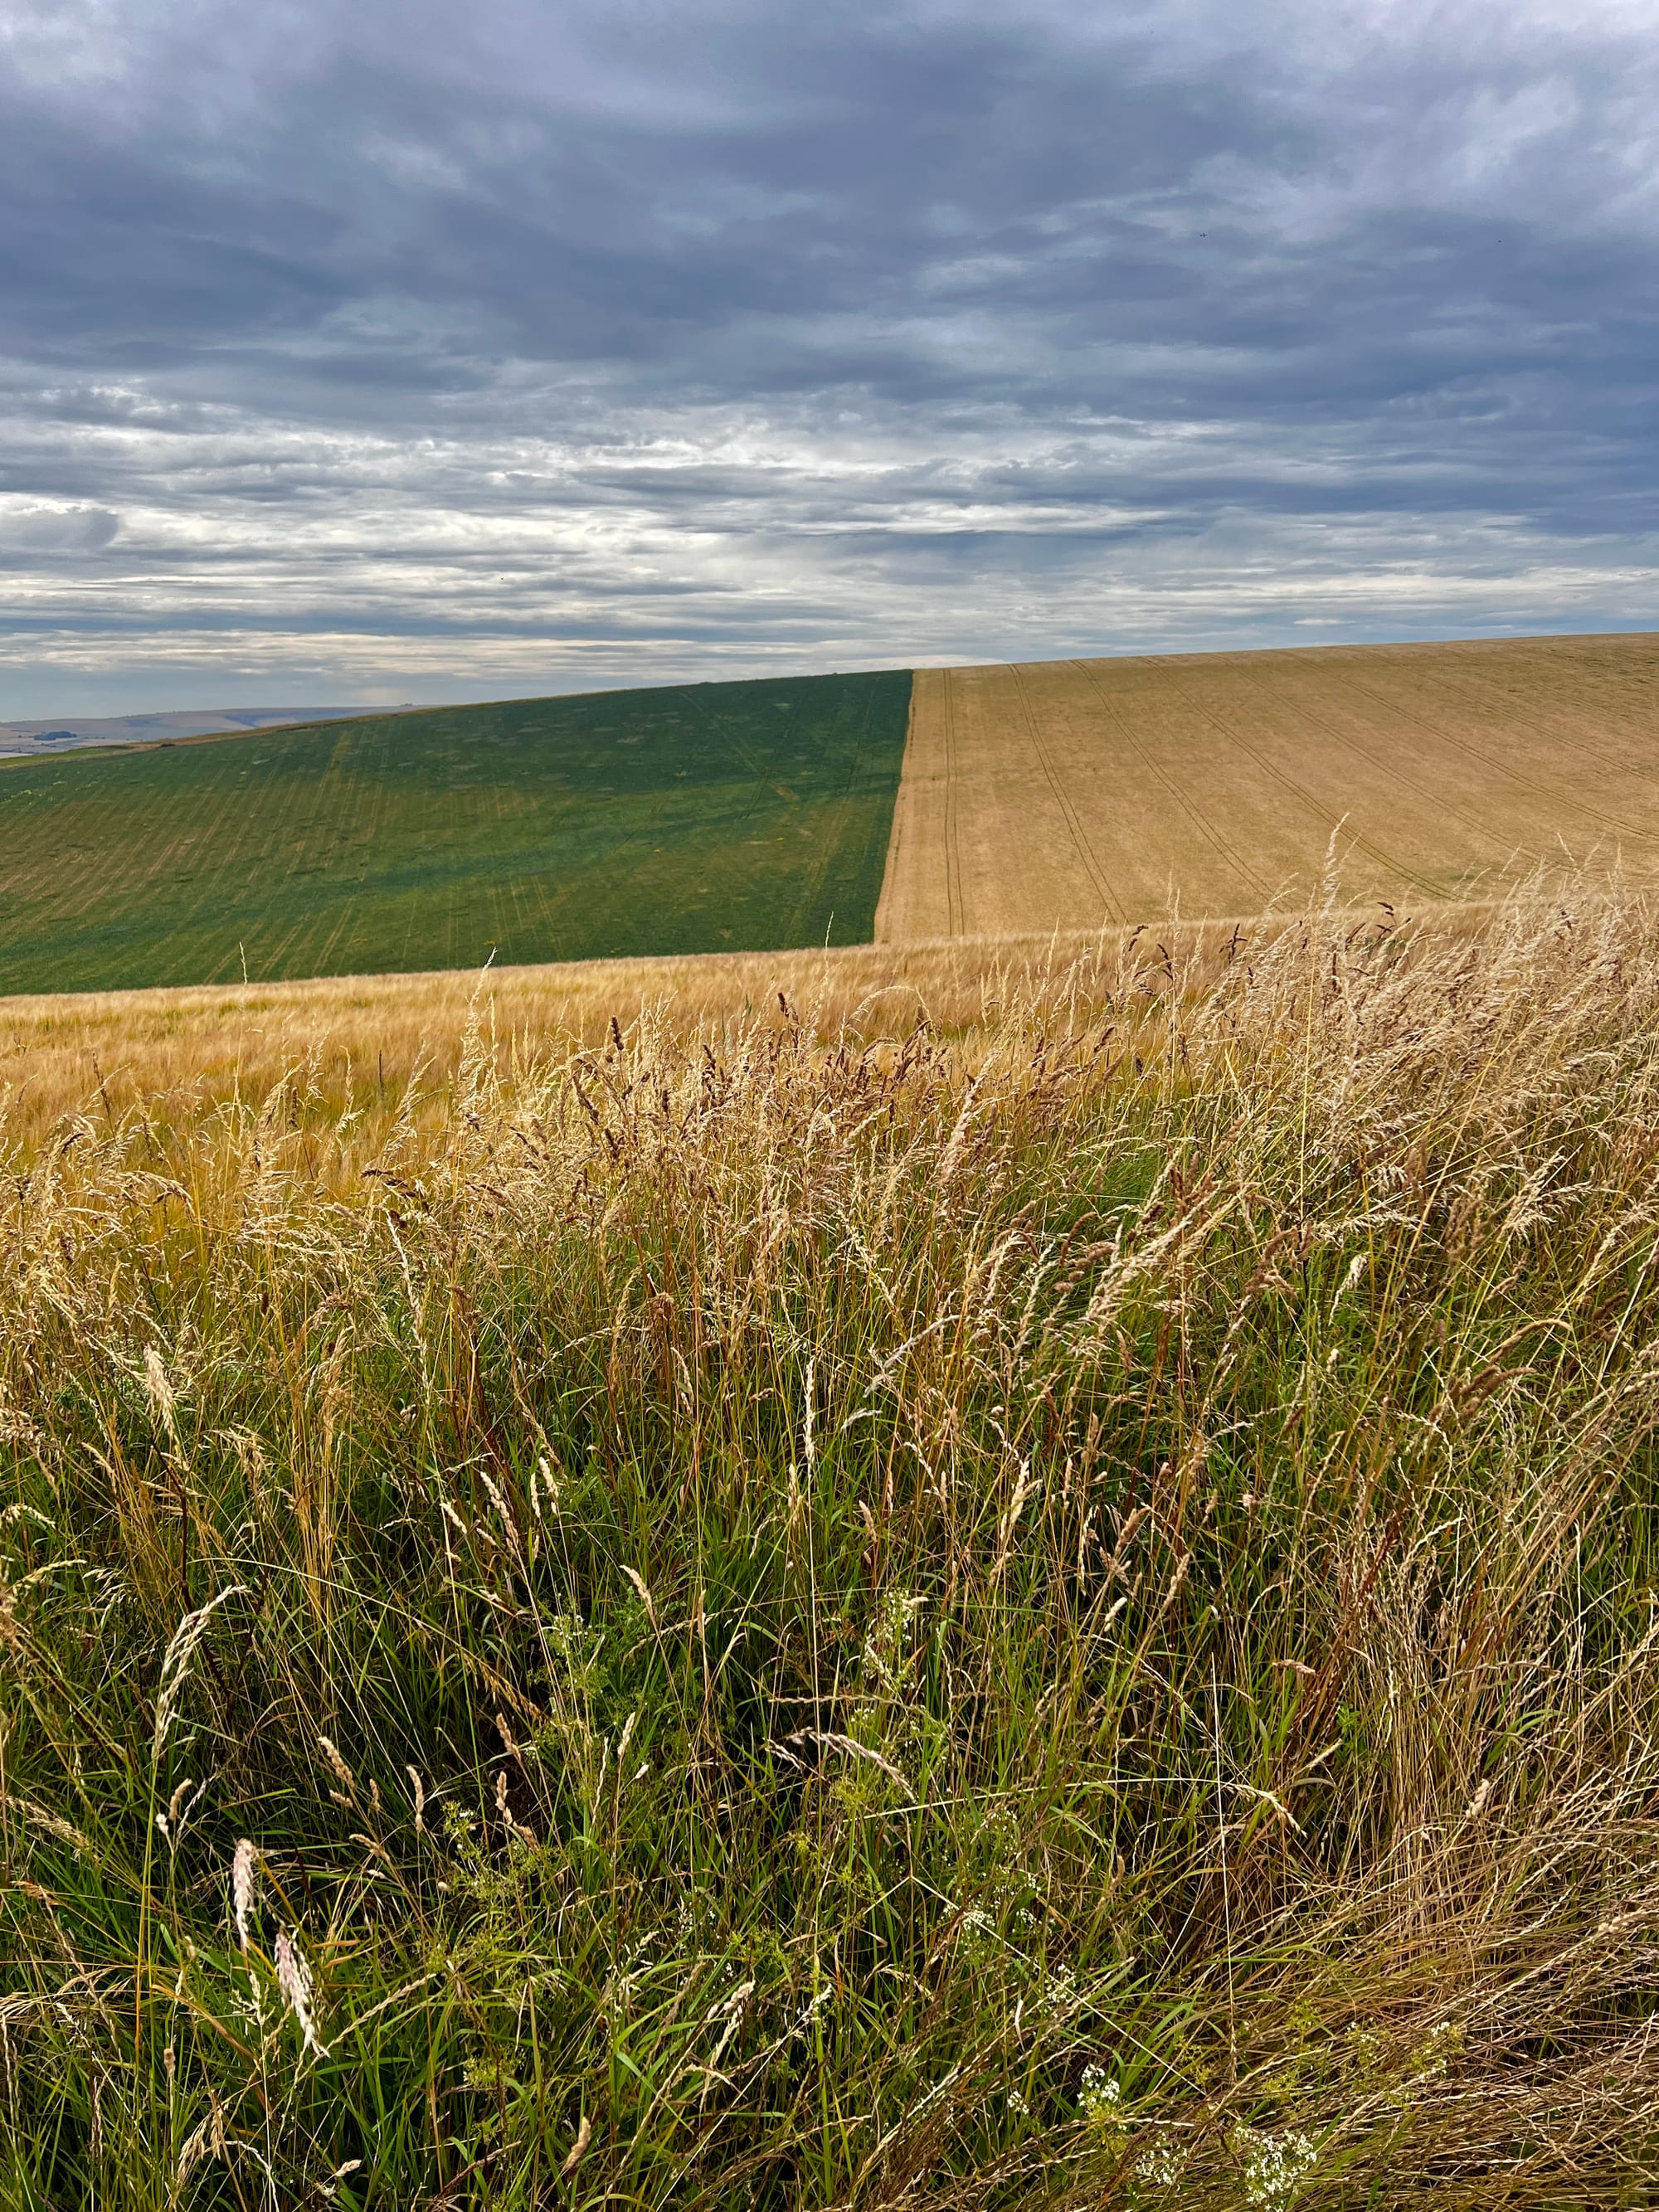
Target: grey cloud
[(684, 339), (31, 530)]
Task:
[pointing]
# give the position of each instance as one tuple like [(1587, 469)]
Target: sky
[(419, 351)]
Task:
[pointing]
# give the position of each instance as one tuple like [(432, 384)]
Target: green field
[(699, 818)]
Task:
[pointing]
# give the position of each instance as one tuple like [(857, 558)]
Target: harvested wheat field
[(1063, 794)]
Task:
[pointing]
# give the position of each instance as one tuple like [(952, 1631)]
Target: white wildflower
[(1099, 2095), (1275, 2166), (1440, 2046), (1059, 1991), (1161, 2165)]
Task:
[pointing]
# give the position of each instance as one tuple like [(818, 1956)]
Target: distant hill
[(72, 729), (699, 818)]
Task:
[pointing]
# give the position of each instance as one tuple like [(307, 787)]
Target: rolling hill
[(704, 818), (997, 800), (71, 731), (1063, 794)]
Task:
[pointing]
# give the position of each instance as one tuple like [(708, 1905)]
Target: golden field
[(1054, 819), (360, 1041), (1060, 795), (1015, 1565)]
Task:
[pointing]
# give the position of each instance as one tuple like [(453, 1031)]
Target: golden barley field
[(359, 1042), (1064, 795)]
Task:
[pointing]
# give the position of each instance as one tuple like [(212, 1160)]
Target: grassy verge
[(695, 819), (751, 1622)]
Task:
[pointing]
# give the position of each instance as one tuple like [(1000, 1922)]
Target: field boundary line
[(1234, 858), (1085, 851), (907, 854)]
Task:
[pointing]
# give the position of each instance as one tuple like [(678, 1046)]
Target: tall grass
[(757, 1621), (356, 1041)]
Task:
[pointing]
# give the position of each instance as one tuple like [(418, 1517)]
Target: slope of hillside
[(704, 818), (1063, 794)]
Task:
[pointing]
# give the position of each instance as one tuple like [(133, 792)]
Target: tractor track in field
[(1217, 841), (1085, 852), (1418, 788), (1337, 822), (1551, 792), (1595, 730)]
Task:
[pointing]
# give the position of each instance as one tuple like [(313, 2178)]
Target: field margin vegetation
[(809, 1610)]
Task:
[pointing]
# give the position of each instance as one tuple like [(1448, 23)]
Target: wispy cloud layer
[(408, 351)]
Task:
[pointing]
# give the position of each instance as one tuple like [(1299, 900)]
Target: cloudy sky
[(433, 348)]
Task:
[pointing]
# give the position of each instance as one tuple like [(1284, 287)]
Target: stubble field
[(1063, 794)]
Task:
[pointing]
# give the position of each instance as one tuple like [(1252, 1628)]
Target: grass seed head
[(293, 1981), (244, 1877)]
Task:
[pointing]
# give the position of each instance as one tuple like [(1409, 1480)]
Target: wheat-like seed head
[(293, 1981), (336, 1766), (175, 1663), (158, 1390), (244, 1872)]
